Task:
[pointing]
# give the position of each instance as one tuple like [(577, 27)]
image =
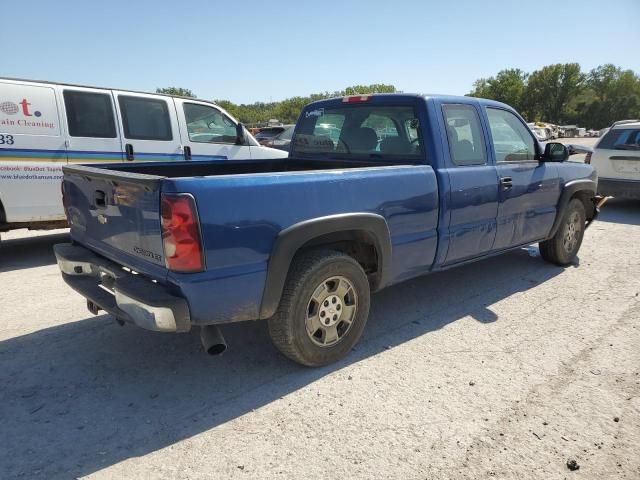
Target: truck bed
[(239, 167)]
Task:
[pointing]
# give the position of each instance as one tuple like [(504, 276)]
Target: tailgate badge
[(102, 219)]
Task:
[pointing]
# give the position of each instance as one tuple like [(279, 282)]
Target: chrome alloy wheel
[(571, 232), (331, 311)]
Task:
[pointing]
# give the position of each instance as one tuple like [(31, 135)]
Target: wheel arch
[(582, 189), (365, 236)]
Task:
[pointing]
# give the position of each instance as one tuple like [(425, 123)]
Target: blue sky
[(269, 50)]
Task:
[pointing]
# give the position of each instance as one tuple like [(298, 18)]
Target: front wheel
[(563, 247), (323, 310)]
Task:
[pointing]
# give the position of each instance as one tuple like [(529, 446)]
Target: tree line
[(560, 94), (286, 111), (563, 94)]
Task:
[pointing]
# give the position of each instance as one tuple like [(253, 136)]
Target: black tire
[(307, 276), (559, 249)]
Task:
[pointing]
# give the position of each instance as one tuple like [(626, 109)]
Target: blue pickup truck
[(376, 190)]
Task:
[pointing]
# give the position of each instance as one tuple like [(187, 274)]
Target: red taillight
[(181, 234), (587, 159), (356, 99)]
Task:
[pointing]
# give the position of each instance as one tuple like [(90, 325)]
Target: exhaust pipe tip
[(212, 340)]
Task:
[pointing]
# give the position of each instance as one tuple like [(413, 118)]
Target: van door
[(32, 152), (91, 127), (207, 133), (149, 127)]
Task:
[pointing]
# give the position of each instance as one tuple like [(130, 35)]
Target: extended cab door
[(529, 190), (473, 184), (207, 133), (149, 127)]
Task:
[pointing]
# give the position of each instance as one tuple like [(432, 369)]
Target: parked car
[(616, 157), (540, 133), (276, 137), (44, 126), (303, 242)]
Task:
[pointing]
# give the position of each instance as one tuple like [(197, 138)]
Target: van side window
[(512, 140), (208, 124), (89, 114), (145, 118), (466, 141)]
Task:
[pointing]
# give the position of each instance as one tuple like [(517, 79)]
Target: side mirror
[(579, 149), (555, 152), (240, 137)]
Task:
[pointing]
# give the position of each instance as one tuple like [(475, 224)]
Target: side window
[(411, 126), (466, 141), (512, 141), (145, 118), (89, 114), (621, 139), (208, 125)]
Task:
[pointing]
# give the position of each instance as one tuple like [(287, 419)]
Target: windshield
[(359, 131)]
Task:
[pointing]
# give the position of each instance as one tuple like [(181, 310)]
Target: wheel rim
[(571, 232), (331, 311)]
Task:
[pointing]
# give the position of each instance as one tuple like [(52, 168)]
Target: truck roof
[(426, 96)]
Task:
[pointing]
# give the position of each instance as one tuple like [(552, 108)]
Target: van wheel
[(323, 309), (563, 247)]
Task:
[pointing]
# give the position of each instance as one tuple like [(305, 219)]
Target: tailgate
[(116, 214)]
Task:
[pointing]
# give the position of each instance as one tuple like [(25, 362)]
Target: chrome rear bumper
[(130, 298)]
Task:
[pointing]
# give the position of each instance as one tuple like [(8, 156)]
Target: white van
[(44, 126)]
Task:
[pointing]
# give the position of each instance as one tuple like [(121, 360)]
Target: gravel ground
[(507, 368)]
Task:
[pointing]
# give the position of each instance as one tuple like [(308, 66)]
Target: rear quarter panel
[(241, 216)]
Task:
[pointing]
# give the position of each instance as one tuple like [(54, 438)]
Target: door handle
[(506, 182), (128, 149), (187, 152)]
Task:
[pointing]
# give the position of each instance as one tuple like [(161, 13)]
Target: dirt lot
[(507, 368)]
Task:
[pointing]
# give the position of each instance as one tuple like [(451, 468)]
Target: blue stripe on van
[(34, 154)]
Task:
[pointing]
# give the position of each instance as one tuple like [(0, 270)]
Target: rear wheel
[(323, 310), (563, 247)]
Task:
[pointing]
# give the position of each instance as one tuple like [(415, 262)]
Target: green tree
[(182, 92), (611, 94), (368, 89), (550, 90), (288, 110), (508, 86)]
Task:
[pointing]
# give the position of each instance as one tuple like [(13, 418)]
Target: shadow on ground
[(77, 398), (621, 210), (19, 253)]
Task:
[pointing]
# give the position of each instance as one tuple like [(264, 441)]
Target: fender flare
[(569, 190), (291, 239)]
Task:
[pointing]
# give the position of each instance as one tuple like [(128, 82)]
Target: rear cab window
[(359, 131), (269, 132), (621, 139)]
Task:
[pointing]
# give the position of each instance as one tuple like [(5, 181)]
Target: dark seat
[(461, 150), (395, 145), (359, 139)]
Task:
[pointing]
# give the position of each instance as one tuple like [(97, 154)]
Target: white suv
[(616, 157)]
